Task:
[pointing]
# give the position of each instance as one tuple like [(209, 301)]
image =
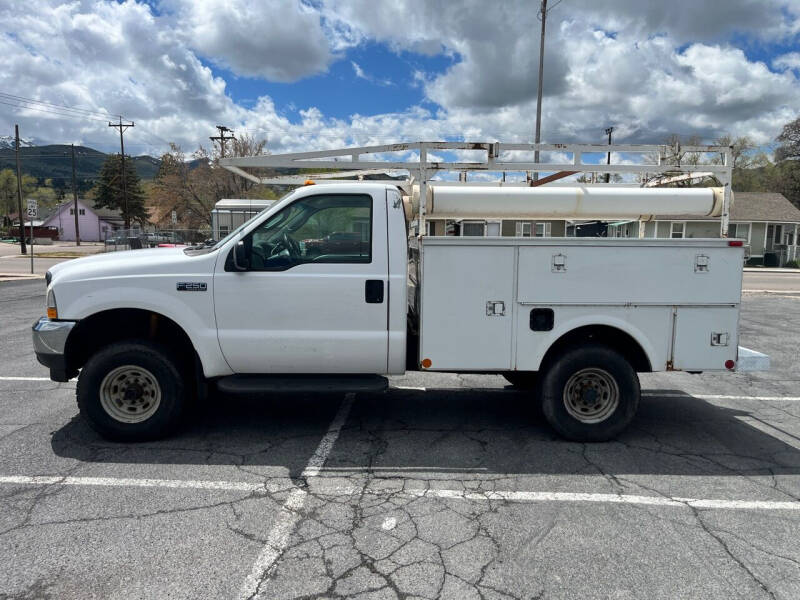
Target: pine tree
[(109, 190)]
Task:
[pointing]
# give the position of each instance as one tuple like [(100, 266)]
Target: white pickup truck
[(284, 303)]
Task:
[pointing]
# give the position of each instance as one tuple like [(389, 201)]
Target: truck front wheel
[(590, 393), (131, 391)]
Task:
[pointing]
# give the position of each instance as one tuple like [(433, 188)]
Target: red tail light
[(729, 364), (736, 243)]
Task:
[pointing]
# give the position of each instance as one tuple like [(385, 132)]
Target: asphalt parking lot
[(445, 486)]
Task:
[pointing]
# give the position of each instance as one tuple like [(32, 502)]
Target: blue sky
[(388, 84), (329, 73)]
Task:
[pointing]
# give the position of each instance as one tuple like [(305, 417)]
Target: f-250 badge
[(191, 286)]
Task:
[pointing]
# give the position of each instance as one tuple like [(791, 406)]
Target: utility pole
[(23, 249), (75, 200), (122, 127), (222, 139), (608, 158), (543, 13)]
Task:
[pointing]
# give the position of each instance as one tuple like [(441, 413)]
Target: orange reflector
[(735, 243), (426, 363), (52, 313), (729, 364), (309, 182)]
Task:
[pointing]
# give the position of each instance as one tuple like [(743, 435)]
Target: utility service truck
[(336, 285)]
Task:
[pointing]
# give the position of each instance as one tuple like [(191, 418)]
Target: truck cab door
[(300, 304)]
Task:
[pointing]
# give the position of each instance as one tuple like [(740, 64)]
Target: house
[(767, 222), (494, 227), (94, 224)]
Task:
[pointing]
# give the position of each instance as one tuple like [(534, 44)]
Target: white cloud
[(358, 70), (649, 72), (791, 60), (361, 74), (279, 40)]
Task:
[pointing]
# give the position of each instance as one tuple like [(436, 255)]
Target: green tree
[(8, 190), (789, 139), (109, 193), (191, 186)]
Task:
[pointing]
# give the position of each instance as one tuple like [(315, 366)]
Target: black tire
[(590, 364), (144, 355), (524, 380)]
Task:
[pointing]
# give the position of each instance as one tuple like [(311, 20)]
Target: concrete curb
[(794, 294), (771, 270), (19, 277)]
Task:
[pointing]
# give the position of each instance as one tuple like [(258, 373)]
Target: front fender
[(192, 311)]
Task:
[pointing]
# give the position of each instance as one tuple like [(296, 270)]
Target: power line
[(54, 112), (47, 106), (59, 106)]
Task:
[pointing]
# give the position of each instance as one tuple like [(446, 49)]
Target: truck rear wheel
[(590, 394), (131, 391)]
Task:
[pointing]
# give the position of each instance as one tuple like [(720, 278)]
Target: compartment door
[(467, 302), (705, 337)]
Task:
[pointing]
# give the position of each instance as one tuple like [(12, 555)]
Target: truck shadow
[(440, 431)]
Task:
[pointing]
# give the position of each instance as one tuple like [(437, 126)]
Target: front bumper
[(49, 341)]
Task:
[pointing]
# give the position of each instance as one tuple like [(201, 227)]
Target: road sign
[(33, 208), (174, 217)]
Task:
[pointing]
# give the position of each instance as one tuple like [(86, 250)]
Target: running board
[(290, 384)]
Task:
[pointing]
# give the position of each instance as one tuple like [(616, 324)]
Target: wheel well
[(101, 329), (607, 336)]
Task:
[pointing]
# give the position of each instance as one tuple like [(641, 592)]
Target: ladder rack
[(414, 158)]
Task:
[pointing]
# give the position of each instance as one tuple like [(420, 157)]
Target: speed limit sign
[(33, 208)]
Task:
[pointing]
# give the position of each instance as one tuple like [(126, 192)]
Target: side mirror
[(240, 259)]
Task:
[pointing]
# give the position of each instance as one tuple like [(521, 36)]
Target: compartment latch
[(559, 263), (701, 263), (719, 338), (495, 308)]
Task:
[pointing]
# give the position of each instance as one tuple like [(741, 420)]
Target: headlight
[(52, 309)]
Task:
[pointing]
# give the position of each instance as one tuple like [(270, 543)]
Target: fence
[(135, 239)]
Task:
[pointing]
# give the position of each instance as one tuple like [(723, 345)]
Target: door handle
[(373, 291)]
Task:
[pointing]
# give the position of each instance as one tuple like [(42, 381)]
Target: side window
[(318, 229)]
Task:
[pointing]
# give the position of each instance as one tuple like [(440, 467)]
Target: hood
[(121, 264)]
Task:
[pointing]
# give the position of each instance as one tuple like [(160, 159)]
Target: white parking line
[(233, 486), (4, 378), (289, 513), (284, 526), (606, 498), (647, 394), (721, 397)]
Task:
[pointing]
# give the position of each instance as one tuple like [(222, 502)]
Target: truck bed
[(494, 304)]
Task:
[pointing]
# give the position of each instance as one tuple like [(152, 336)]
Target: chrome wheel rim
[(130, 394), (591, 395)]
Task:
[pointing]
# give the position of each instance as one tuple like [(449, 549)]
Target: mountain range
[(7, 142), (54, 161)]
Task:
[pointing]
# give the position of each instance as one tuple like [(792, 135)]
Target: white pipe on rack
[(577, 202)]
